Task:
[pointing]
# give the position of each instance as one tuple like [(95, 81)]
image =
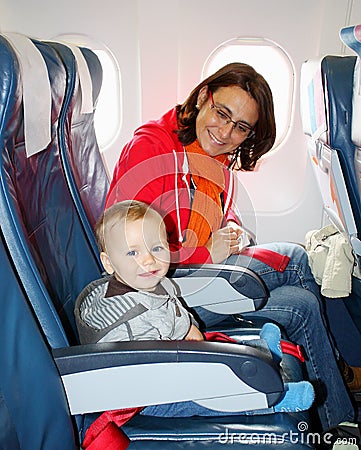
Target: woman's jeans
[(295, 304)]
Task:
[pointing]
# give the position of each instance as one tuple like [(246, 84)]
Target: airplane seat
[(326, 109), (53, 258), (330, 122), (39, 221), (31, 391), (351, 37), (82, 160)]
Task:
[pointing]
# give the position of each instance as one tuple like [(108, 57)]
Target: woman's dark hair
[(244, 76)]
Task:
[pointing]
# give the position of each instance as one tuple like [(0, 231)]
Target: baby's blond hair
[(131, 210)]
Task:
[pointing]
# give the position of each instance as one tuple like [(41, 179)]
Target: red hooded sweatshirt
[(153, 168)]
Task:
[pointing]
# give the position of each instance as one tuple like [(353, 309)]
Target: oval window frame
[(107, 126)]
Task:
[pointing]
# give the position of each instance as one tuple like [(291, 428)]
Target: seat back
[(41, 225), (83, 164), (33, 407), (326, 93), (351, 36)]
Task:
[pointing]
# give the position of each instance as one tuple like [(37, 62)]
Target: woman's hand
[(224, 242), (194, 334), (235, 227)]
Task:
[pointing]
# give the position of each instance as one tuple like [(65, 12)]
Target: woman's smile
[(215, 136)]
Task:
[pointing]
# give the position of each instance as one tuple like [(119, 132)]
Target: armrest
[(222, 289), (225, 377)]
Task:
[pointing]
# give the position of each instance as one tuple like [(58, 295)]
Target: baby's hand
[(242, 236), (244, 241), (194, 334)]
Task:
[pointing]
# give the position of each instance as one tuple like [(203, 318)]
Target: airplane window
[(107, 126), (269, 60)]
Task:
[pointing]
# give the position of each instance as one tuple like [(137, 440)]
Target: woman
[(180, 165)]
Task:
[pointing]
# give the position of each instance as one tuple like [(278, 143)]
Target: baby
[(138, 302), (133, 249)]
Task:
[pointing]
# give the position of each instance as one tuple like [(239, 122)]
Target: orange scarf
[(208, 176)]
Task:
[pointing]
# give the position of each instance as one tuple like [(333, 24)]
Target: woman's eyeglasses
[(242, 129)]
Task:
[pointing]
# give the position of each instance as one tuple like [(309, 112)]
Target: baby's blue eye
[(131, 253), (158, 248)]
